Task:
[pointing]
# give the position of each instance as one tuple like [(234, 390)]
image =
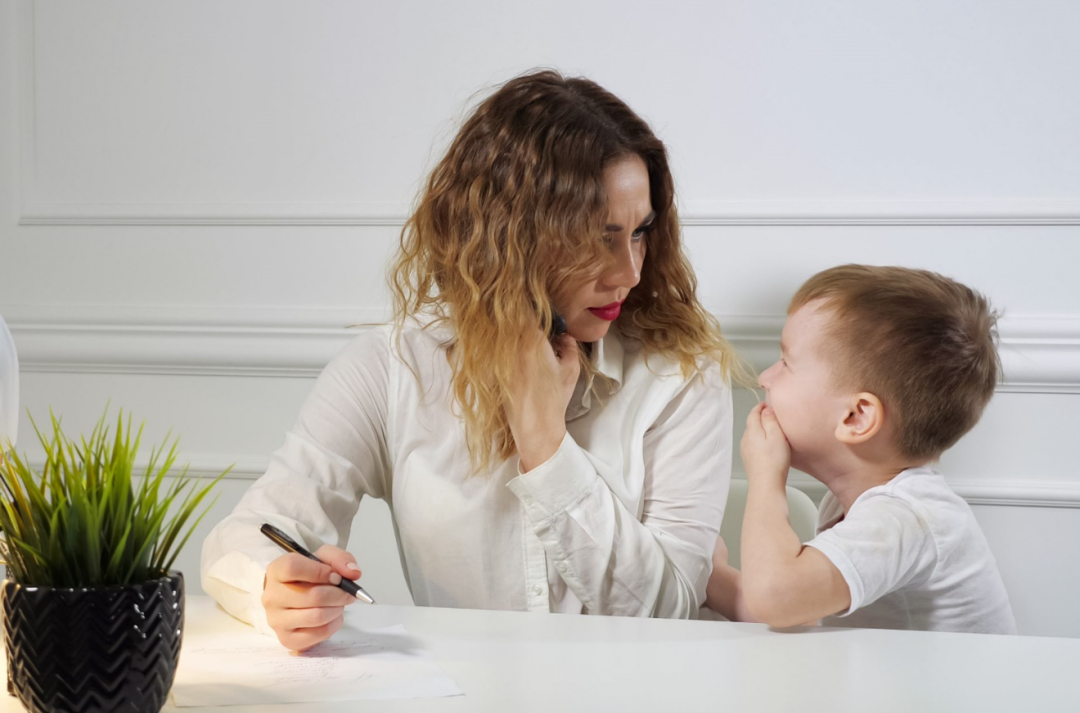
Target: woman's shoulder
[(373, 341), (661, 366), (386, 340), (659, 378)]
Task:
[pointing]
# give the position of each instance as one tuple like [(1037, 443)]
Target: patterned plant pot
[(93, 649)]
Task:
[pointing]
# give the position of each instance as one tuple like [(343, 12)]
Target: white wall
[(196, 198)]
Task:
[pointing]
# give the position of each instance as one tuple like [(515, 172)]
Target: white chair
[(801, 512)]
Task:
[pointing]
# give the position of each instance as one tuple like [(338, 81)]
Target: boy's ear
[(865, 417)]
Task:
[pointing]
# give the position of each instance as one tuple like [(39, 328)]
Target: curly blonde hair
[(513, 217)]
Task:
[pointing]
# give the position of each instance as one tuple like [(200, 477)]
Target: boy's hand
[(765, 450)]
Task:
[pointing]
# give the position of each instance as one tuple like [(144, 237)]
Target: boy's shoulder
[(918, 484), (922, 490)]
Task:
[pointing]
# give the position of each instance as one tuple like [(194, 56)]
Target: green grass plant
[(84, 521)]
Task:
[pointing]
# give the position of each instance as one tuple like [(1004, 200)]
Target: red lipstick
[(607, 312)]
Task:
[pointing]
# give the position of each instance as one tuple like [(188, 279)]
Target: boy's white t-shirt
[(913, 557)]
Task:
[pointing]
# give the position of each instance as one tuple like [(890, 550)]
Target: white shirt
[(914, 557), (622, 519)]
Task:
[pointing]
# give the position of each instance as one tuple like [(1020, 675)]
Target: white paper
[(241, 668)]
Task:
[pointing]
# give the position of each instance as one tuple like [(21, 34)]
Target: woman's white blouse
[(621, 520)]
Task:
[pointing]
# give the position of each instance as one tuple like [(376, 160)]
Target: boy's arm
[(783, 582)]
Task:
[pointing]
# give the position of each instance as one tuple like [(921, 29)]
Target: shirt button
[(537, 590)]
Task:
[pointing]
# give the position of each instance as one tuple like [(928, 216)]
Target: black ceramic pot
[(93, 649)]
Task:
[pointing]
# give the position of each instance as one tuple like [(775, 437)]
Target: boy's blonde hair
[(922, 343)]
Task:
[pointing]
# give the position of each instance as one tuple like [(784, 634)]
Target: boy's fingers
[(770, 423), (753, 419)]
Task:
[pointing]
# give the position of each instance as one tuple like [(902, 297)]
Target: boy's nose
[(766, 377)]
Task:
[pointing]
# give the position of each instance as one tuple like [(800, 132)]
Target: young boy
[(882, 369)]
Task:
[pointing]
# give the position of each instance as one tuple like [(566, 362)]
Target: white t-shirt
[(621, 520), (913, 557)]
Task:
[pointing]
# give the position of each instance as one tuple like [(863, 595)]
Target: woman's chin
[(590, 332)]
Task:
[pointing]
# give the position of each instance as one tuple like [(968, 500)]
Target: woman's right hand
[(302, 602), (536, 411)]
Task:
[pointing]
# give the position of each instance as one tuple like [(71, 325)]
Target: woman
[(587, 473)]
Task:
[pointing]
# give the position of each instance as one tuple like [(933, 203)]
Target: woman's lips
[(609, 312)]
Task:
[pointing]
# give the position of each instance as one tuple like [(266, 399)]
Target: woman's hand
[(539, 396), (724, 592), (303, 605)]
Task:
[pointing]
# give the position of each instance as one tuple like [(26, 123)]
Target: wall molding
[(36, 209), (727, 213), (1002, 493), (202, 466), (1041, 354), (200, 341)]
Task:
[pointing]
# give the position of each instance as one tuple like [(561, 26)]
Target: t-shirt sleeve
[(882, 545)]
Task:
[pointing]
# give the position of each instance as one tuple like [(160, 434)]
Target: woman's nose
[(626, 269)]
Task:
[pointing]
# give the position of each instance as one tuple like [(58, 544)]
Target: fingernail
[(352, 566), (335, 578)]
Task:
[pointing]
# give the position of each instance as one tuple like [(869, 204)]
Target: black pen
[(289, 544)]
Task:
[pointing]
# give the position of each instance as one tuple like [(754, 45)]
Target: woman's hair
[(513, 216)]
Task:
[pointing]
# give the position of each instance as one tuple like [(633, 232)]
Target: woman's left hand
[(539, 396)]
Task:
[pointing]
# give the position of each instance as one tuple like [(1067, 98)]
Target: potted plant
[(93, 615)]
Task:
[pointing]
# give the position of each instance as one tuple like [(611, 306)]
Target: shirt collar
[(607, 361), (607, 357)]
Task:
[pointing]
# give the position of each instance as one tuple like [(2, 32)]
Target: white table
[(507, 662)]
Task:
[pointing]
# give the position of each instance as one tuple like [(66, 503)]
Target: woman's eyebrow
[(612, 228)]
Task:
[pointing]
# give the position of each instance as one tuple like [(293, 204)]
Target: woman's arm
[(335, 454), (724, 593), (657, 565)]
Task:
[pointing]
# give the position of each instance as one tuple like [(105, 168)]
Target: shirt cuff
[(239, 585), (557, 483)]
